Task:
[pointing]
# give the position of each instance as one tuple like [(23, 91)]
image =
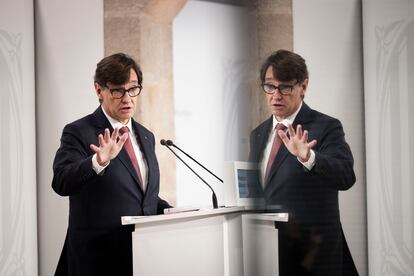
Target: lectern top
[(125, 220)]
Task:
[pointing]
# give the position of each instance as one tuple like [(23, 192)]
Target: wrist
[(97, 167), (102, 163), (306, 159)]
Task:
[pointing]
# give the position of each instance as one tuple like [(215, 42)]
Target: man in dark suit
[(106, 175), (303, 162)]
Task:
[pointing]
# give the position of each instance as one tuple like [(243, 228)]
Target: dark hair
[(116, 69), (286, 65)]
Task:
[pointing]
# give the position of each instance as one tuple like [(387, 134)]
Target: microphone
[(214, 197), (171, 143)]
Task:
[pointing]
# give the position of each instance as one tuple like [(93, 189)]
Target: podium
[(225, 241)]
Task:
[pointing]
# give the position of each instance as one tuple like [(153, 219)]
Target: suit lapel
[(145, 147), (260, 143), (126, 161), (261, 139), (142, 139), (279, 158)]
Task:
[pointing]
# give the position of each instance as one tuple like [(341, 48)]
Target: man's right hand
[(108, 147), (297, 142)]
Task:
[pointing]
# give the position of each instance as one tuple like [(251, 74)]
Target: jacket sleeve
[(72, 167), (333, 158), (162, 204)]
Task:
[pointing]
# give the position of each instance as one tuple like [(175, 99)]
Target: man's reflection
[(304, 161)]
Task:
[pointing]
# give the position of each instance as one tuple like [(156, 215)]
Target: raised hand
[(297, 142), (108, 147)]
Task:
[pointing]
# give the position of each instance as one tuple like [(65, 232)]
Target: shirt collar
[(116, 124), (288, 120)]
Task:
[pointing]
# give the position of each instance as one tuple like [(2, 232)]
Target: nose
[(277, 95), (126, 97)]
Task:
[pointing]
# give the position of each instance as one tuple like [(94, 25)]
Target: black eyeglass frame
[(122, 91), (284, 89)]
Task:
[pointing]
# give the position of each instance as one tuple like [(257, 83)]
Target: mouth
[(126, 109), (277, 105)]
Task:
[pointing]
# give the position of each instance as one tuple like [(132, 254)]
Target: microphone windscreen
[(163, 142), (170, 143)]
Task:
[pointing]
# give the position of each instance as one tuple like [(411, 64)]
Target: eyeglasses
[(118, 93), (284, 89)]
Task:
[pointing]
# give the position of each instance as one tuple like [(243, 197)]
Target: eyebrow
[(121, 86)]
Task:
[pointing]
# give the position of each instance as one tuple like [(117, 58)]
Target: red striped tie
[(131, 153), (275, 148)]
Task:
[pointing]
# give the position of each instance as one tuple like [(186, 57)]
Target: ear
[(304, 86), (98, 91)]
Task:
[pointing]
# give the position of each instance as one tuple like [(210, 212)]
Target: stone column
[(143, 29), (272, 29)]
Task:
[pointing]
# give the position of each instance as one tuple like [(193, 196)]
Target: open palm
[(108, 147), (297, 142)]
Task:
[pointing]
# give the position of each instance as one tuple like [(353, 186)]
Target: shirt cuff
[(311, 162), (96, 167)]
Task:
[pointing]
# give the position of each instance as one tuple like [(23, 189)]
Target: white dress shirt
[(138, 153)]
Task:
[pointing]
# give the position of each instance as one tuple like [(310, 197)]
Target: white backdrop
[(210, 94), (18, 229), (69, 43), (327, 33), (389, 81)]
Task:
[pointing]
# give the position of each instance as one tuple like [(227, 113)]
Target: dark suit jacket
[(312, 243), (96, 243)]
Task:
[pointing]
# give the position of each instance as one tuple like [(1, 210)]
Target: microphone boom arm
[(214, 197), (171, 143)]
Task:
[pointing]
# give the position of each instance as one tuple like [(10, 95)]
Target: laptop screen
[(248, 183)]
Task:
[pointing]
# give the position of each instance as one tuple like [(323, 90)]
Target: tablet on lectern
[(241, 184)]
